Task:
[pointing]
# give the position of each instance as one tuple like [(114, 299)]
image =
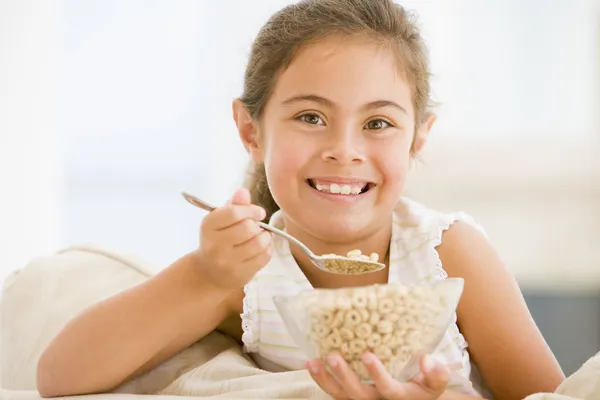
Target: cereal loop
[(405, 322), (384, 327), (374, 341), (334, 340), (374, 318), (384, 353), (321, 331), (363, 330), (386, 306), (346, 334), (359, 298), (357, 346), (352, 319), (326, 317)]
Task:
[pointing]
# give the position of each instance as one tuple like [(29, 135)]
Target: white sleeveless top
[(416, 232)]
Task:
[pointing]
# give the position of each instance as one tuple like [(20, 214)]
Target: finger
[(348, 379), (257, 262), (253, 247), (240, 197), (231, 214), (238, 234), (434, 377), (325, 380), (386, 385)]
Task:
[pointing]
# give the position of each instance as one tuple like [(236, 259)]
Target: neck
[(377, 241)]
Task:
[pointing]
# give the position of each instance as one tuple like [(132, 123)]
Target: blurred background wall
[(109, 108)]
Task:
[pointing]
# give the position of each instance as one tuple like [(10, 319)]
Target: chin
[(334, 228)]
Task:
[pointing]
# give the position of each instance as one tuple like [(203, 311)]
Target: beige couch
[(41, 297)]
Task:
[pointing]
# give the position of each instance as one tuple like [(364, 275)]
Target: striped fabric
[(416, 231)]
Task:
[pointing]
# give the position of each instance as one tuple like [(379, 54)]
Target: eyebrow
[(328, 103)]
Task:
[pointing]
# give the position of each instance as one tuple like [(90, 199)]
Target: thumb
[(241, 197), (434, 377)]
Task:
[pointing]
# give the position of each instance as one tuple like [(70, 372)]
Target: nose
[(344, 147)]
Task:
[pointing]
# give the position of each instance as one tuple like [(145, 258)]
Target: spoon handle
[(288, 237), (197, 202), (206, 206)]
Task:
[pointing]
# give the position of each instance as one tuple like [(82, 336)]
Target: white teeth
[(339, 189), (346, 189)]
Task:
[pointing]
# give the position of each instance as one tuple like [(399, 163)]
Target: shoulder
[(418, 226), (410, 213), (504, 341), (464, 242)]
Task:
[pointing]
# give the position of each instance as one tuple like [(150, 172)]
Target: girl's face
[(336, 139)]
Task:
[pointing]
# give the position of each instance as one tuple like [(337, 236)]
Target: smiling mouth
[(348, 189)]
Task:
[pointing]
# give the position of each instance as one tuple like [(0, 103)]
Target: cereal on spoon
[(346, 266)]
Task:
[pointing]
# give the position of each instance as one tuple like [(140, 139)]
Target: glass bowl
[(398, 323)]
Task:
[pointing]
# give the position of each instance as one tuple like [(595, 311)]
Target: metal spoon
[(335, 265)]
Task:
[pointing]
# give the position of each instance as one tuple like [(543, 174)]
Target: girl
[(334, 108)]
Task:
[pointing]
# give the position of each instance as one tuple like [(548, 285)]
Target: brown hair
[(308, 20)]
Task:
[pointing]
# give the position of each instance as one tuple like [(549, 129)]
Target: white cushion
[(38, 300)]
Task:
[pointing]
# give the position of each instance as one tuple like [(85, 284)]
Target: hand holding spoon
[(332, 264)]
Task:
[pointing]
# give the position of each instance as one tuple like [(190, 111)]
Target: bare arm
[(132, 332), (504, 341), (136, 330)]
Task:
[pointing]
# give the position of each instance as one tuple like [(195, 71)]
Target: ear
[(423, 132), (248, 130)]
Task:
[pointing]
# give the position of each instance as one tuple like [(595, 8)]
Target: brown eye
[(377, 124), (312, 119)]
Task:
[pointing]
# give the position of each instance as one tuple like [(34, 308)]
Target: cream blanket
[(41, 297), (216, 368), (212, 368)]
